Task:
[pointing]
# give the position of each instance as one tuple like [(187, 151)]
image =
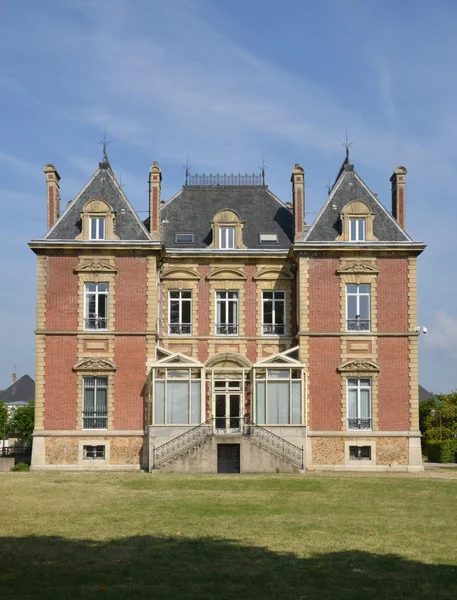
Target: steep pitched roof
[(193, 208), (350, 187), (102, 185), (21, 391)]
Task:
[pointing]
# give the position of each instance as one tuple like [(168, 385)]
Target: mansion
[(223, 334)]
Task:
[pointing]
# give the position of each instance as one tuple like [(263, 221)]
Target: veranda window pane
[(296, 403), (278, 373), (352, 404), (177, 402), (178, 374), (159, 403), (278, 403), (195, 403), (260, 403)]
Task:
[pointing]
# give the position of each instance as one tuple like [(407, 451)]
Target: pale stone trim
[(279, 285), (227, 285), (95, 266), (96, 277), (84, 467), (97, 208), (221, 273), (89, 433), (95, 364), (272, 272), (360, 468), (80, 399), (89, 464), (230, 217), (152, 302), (364, 434), (354, 272), (362, 463), (40, 343), (356, 209), (182, 272), (179, 284), (413, 353)]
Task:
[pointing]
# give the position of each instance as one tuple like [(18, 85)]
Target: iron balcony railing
[(271, 329), (358, 324), (97, 323), (15, 450), (274, 443), (227, 329), (219, 179), (181, 444), (95, 419), (359, 423), (180, 328)]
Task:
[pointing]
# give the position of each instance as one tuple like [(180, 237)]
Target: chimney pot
[(52, 194)]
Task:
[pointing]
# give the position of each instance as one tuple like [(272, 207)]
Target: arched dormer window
[(97, 218), (357, 223), (227, 228)]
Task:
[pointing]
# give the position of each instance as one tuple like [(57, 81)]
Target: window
[(227, 313), (96, 306), (268, 238), (274, 311), (227, 238), (97, 228), (177, 397), (357, 230), (358, 307), (184, 238), (278, 397), (359, 452), (93, 452), (95, 406), (359, 403), (180, 311)]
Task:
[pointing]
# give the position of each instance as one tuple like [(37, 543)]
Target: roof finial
[(347, 145), (262, 168), (187, 167), (105, 143), (329, 186)]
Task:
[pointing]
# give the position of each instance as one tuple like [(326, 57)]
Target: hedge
[(442, 451)]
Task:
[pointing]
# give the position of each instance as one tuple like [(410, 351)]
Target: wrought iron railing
[(359, 423), (15, 450), (358, 324), (226, 329), (95, 419), (271, 329), (224, 179), (96, 323), (180, 328), (275, 443), (184, 442)]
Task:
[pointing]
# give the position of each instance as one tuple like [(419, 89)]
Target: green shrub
[(442, 451), (21, 467)]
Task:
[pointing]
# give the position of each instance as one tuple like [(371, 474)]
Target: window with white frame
[(357, 230), (359, 403), (273, 312), (177, 396), (278, 397), (358, 307), (226, 313), (180, 311), (226, 237), (96, 228), (96, 296), (95, 403)]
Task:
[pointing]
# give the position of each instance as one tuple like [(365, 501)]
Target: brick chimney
[(155, 178), (298, 200), (53, 194), (398, 181)]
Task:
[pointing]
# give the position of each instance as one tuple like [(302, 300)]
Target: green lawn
[(225, 537)]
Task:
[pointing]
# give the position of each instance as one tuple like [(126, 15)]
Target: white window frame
[(227, 237), (168, 377), (227, 301), (181, 241), (180, 323), (359, 387), (105, 413), (274, 301), (352, 324), (99, 235), (360, 229), (86, 306), (286, 376)]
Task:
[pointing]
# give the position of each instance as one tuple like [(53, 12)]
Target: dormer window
[(268, 238), (227, 238), (184, 238), (357, 230), (97, 228)]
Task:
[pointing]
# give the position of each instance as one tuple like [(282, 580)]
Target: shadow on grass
[(204, 568)]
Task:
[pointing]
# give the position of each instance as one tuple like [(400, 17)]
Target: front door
[(227, 401)]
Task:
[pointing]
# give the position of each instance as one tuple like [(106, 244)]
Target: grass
[(226, 537)]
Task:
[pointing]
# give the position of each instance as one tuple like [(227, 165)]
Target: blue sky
[(227, 82)]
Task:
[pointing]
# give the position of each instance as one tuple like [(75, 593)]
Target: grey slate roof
[(192, 209), (102, 185), (21, 391), (349, 187)]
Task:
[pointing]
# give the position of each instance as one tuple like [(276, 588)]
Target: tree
[(22, 421), (443, 423), (4, 421)]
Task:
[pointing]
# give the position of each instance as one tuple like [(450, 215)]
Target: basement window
[(184, 238), (360, 452), (94, 452), (268, 238)]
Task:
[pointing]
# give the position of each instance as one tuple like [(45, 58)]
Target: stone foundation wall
[(65, 450), (389, 450)]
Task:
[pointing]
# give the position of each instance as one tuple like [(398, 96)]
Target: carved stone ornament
[(95, 266), (226, 273), (359, 365), (272, 273), (95, 364), (180, 273), (358, 267)]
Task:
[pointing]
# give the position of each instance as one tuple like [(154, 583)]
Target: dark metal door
[(228, 458)]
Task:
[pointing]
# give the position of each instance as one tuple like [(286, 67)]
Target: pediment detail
[(95, 364), (95, 266), (358, 267), (359, 365), (180, 273), (272, 273), (226, 273)]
